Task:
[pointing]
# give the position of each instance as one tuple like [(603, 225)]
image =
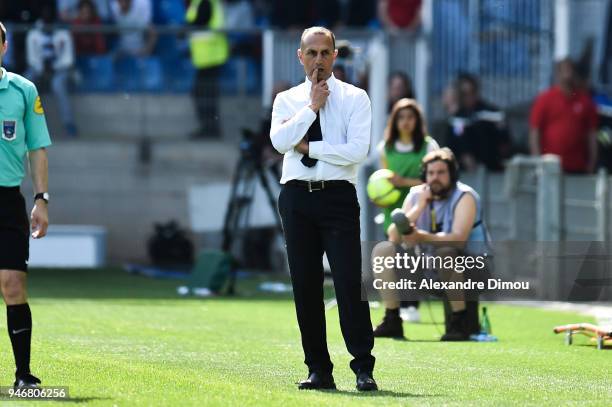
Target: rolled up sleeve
[(288, 129), (355, 150)]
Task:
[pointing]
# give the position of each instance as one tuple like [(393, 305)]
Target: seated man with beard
[(447, 221)]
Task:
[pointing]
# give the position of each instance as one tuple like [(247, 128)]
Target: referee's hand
[(39, 219)]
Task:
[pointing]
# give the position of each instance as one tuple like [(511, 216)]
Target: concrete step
[(103, 183)]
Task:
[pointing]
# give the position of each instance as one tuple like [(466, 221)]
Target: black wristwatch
[(42, 195)]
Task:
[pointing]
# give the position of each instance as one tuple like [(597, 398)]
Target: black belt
[(318, 185)]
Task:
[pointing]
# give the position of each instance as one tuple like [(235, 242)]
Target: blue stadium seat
[(237, 69), (151, 74), (97, 73), (179, 74), (169, 12), (127, 74), (139, 74), (167, 47)]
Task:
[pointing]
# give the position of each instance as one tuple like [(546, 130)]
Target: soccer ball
[(380, 190)]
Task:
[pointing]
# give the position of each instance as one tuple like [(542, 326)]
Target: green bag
[(211, 270)]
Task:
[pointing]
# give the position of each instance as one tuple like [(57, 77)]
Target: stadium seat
[(237, 69), (169, 12), (127, 74), (151, 74), (97, 73), (179, 75), (139, 74), (167, 47)]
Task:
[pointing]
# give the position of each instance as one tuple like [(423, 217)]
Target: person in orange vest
[(209, 51)]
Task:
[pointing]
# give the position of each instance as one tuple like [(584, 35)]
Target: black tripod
[(249, 169)]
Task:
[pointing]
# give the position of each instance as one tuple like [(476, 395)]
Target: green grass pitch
[(116, 339)]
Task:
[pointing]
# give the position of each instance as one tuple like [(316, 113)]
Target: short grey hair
[(318, 30)]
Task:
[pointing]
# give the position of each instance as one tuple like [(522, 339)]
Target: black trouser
[(206, 97), (14, 230), (327, 221)]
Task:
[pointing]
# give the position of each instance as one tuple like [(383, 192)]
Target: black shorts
[(14, 230)]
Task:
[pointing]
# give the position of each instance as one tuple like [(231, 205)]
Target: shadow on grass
[(380, 393), (408, 340), (82, 399), (66, 400), (593, 345)]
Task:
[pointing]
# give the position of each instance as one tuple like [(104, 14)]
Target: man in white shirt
[(50, 57), (322, 127), (134, 17)]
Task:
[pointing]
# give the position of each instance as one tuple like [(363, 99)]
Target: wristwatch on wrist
[(42, 195)]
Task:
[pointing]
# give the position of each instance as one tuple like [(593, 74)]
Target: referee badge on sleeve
[(38, 108), (9, 130)]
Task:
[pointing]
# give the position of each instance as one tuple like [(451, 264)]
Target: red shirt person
[(397, 15), (88, 43), (563, 121)]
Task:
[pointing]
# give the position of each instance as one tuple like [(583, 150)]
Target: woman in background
[(405, 143)]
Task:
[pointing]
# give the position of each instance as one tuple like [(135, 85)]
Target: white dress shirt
[(56, 46), (140, 15), (345, 125)]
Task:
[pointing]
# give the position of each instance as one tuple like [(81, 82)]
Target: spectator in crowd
[(134, 17), (23, 11), (399, 15), (400, 87), (70, 10), (50, 58), (208, 54), (262, 9), (357, 13), (88, 43), (477, 132), (405, 143), (339, 13), (20, 12), (563, 121), (290, 15), (450, 101), (325, 13), (239, 15), (329, 13)]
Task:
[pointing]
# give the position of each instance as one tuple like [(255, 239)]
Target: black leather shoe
[(365, 382), (318, 381), (26, 381), (457, 330), (391, 325)]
